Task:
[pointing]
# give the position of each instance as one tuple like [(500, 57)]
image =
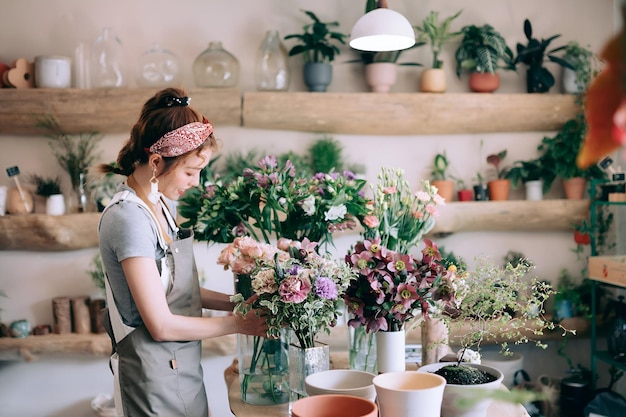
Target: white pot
[(381, 76), (534, 190), (409, 393), (390, 351), (568, 81), (453, 393), (55, 205)]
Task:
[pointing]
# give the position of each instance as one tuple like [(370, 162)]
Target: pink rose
[(371, 221)]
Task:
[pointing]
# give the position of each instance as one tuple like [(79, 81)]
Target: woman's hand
[(253, 323)]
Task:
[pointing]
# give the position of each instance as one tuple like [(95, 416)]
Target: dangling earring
[(154, 195)]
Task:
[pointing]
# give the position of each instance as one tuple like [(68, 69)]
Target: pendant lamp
[(382, 29)]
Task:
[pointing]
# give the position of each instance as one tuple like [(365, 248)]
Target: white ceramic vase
[(55, 205), (534, 190), (390, 351), (453, 393)]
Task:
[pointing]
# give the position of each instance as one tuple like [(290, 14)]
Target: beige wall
[(35, 27)]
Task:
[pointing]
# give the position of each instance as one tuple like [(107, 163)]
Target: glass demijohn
[(107, 61), (216, 67), (158, 67), (271, 68)]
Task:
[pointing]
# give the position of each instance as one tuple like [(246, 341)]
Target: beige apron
[(160, 378)]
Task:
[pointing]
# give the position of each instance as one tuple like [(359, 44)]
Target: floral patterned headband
[(182, 140)]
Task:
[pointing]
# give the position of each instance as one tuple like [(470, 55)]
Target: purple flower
[(326, 288)]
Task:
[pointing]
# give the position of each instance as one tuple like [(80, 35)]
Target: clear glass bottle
[(158, 67), (108, 66), (216, 67), (271, 68)]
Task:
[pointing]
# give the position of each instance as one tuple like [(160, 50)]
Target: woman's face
[(184, 175)]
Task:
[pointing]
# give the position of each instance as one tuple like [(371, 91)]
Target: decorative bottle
[(271, 68), (216, 67), (107, 61), (158, 67)]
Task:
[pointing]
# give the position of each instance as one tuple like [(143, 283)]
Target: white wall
[(56, 27)]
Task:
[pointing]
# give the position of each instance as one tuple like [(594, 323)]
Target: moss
[(464, 375)]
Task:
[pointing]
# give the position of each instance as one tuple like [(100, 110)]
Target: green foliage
[(74, 155), (97, 272), (568, 289), (235, 162), (369, 57), (436, 34), (317, 43), (584, 62), (538, 78), (531, 170), (495, 160), (483, 49), (560, 152), (440, 167), (326, 155), (45, 186)]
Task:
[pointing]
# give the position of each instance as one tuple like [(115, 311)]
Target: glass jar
[(158, 67), (107, 61), (216, 67), (271, 67)]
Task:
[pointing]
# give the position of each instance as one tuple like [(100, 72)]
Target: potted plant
[(318, 45), (436, 33), (559, 155), (491, 302), (45, 189), (439, 177), (463, 193), (482, 52), (538, 78), (500, 187), (531, 173), (585, 66)]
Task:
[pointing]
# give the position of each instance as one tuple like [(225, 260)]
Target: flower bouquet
[(298, 289), (271, 201)]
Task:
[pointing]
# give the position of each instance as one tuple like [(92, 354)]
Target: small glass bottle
[(107, 61), (216, 67), (271, 68)]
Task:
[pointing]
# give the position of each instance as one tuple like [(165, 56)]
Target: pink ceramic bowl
[(334, 406)]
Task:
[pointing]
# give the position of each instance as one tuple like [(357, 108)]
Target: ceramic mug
[(53, 72), (399, 394)]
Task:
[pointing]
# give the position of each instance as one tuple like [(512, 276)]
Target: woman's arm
[(214, 300), (146, 288)]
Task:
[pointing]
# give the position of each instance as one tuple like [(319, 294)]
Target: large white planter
[(453, 393), (409, 394)]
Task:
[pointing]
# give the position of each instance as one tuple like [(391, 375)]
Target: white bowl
[(342, 382)]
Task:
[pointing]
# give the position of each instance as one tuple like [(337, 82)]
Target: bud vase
[(107, 61), (362, 349), (391, 351), (216, 67), (271, 68)]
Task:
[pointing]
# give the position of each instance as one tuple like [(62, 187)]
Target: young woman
[(153, 295)]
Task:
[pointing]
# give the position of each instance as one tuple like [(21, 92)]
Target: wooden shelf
[(106, 110), (407, 113), (30, 347), (40, 232), (114, 110)]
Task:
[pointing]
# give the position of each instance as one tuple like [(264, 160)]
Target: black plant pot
[(480, 192), (538, 79)]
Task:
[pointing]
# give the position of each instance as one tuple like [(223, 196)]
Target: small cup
[(53, 72), (399, 394)]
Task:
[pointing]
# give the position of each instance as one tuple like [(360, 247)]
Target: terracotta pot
[(465, 195), (342, 405), (484, 82), (433, 80), (575, 188), (445, 188), (381, 76), (499, 189)]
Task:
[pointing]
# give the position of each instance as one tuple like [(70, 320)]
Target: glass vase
[(302, 363), (271, 67), (158, 67), (216, 67), (263, 369), (107, 61), (362, 352)]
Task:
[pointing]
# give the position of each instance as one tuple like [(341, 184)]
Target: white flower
[(308, 205), (282, 201), (423, 196), (335, 212), (468, 355)]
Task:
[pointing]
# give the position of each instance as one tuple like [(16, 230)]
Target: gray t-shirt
[(127, 231)]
